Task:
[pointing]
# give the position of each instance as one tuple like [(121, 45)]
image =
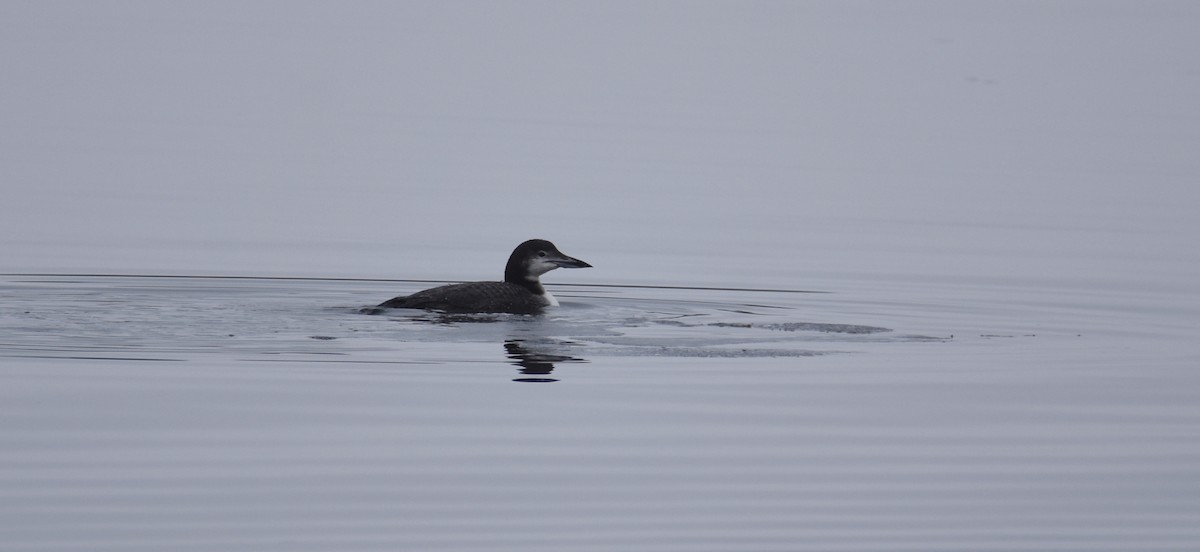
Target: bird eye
[(541, 253)]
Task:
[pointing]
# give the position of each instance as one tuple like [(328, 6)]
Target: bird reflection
[(535, 365)]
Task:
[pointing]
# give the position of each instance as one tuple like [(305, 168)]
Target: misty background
[(1001, 196), (665, 142)]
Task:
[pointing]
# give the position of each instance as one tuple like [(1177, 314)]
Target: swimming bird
[(521, 292)]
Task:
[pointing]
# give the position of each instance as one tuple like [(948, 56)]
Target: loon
[(520, 293)]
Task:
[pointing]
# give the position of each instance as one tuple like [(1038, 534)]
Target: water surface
[(269, 414), (926, 276)]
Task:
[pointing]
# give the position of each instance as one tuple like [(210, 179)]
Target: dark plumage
[(521, 292), (472, 297)]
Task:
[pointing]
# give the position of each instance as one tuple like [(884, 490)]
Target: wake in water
[(177, 318)]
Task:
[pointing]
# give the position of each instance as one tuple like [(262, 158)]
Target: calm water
[(969, 228), (150, 413)]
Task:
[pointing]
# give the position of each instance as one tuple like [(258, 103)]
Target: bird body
[(472, 297), (521, 292)]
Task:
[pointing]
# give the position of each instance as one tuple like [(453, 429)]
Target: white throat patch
[(537, 267)]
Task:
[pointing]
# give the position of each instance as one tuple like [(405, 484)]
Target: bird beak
[(569, 262)]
